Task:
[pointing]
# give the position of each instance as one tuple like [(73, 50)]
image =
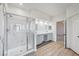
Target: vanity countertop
[(46, 32)]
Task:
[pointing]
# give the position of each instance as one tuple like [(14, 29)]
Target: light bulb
[(21, 4)]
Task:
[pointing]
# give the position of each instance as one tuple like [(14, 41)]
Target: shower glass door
[(16, 34)]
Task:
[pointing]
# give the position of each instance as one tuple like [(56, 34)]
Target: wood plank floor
[(53, 49)]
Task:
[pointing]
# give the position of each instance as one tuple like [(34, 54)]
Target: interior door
[(75, 34), (16, 34), (60, 31)]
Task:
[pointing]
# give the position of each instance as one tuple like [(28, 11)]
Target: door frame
[(65, 32)]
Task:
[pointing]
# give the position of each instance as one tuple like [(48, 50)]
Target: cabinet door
[(39, 39)]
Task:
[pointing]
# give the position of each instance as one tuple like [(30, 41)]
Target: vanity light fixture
[(20, 3)]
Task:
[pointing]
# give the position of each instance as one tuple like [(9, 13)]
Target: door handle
[(78, 36), (65, 34), (7, 30)]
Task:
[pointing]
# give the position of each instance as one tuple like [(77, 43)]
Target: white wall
[(72, 9)]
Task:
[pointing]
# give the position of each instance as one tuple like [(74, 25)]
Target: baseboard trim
[(32, 50), (73, 51), (43, 43)]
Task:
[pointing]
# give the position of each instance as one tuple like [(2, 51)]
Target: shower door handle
[(7, 30), (0, 37), (65, 34)]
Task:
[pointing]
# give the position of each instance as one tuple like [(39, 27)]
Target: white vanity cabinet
[(41, 37)]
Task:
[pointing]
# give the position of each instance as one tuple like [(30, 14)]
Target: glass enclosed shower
[(18, 33)]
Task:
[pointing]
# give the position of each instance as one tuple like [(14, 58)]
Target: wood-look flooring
[(53, 49)]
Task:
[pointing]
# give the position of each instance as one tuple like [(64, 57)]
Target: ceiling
[(52, 9)]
